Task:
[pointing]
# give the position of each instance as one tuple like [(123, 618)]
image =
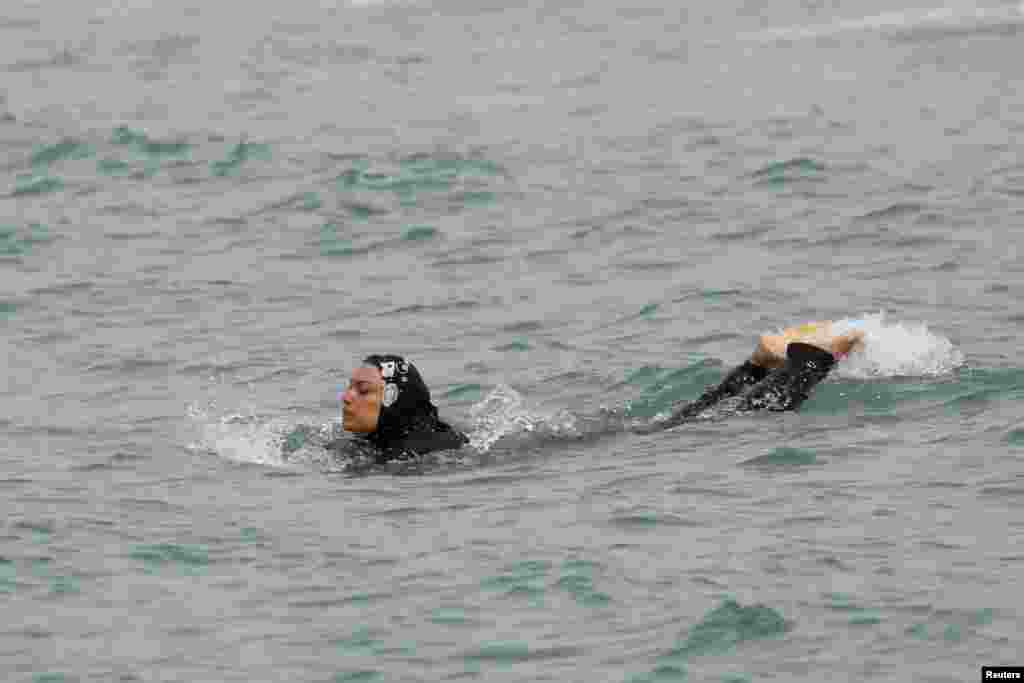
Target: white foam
[(964, 14), (261, 440), (503, 412), (244, 438), (896, 349), (377, 3), (238, 439)]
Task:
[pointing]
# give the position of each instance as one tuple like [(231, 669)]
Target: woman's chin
[(354, 427)]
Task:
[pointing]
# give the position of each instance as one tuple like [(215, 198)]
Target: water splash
[(964, 16), (896, 349), (273, 442), (243, 439), (503, 413)]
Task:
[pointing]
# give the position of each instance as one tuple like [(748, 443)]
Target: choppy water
[(568, 215)]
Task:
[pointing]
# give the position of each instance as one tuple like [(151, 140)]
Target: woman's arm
[(786, 387), (790, 383)]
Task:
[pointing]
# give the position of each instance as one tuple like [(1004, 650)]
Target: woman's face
[(360, 403)]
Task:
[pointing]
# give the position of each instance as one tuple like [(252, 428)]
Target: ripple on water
[(685, 489), (153, 155), (359, 643), (650, 520), (730, 624), (188, 559), (779, 173), (748, 233), (51, 677), (115, 168), (784, 456), (65, 149), (419, 233), (720, 631), (577, 578), (894, 211), (856, 615), (461, 182), (661, 388), (521, 579), (238, 155), (359, 676), (36, 184), (449, 305), (37, 573), (519, 344), (41, 531), (501, 653), (450, 616), (130, 366), (1013, 494), (464, 393), (8, 575)]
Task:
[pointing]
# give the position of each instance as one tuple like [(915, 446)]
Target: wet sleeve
[(736, 382), (787, 387)]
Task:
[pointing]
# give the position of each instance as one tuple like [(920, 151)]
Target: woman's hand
[(847, 343)]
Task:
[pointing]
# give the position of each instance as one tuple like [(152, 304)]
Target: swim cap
[(406, 403)]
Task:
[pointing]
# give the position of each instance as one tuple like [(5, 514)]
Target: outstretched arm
[(788, 388)]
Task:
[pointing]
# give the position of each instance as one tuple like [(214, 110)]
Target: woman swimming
[(388, 404)]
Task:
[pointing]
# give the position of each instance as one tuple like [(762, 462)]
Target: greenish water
[(783, 457), (187, 559), (719, 632), (663, 387), (572, 219)]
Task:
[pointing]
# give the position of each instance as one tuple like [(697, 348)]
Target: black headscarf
[(405, 407)]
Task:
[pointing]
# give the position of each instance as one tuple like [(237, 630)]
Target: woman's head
[(386, 397)]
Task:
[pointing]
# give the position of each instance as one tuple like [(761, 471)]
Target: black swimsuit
[(439, 436), (784, 388)]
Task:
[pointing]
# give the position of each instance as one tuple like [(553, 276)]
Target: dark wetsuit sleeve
[(425, 442), (784, 388), (735, 383), (787, 387)]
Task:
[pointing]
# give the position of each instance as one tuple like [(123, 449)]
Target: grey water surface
[(564, 214)]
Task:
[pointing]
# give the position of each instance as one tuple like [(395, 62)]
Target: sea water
[(571, 218)]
